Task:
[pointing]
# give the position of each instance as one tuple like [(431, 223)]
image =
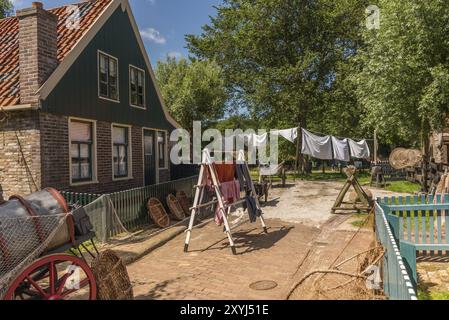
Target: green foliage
[(5, 8), (192, 91), (287, 61), (404, 70)]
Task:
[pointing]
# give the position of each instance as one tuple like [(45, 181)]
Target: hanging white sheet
[(316, 146), (289, 134), (359, 150), (257, 140), (341, 149)]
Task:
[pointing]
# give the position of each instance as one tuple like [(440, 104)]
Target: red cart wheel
[(47, 279)]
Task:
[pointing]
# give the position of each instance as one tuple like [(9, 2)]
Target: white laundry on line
[(359, 149), (289, 134), (341, 149), (316, 146)]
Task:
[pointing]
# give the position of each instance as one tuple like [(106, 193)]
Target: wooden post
[(298, 150), (375, 146), (425, 162)]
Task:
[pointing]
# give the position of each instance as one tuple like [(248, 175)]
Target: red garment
[(231, 193), (225, 171)]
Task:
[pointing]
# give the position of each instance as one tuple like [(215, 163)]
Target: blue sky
[(163, 23)]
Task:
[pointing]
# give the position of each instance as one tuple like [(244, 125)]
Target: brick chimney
[(38, 49)]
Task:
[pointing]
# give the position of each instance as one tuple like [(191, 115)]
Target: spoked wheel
[(54, 277)]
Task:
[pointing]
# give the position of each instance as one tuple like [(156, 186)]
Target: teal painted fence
[(420, 225), (396, 279), (130, 205)]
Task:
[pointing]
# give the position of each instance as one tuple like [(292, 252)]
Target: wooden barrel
[(22, 236)]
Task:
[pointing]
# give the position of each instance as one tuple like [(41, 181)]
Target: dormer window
[(108, 77), (137, 87)]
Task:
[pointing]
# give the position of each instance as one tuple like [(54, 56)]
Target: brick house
[(79, 107)]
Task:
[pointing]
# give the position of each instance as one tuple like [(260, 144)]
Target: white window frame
[(144, 107), (165, 167), (130, 152), (98, 76), (94, 152)]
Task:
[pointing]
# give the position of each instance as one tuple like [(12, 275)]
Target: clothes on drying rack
[(341, 149), (316, 146), (225, 171), (243, 176), (253, 210), (230, 191), (359, 149)]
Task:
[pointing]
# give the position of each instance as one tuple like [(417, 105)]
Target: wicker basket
[(184, 202), (175, 208), (112, 277), (158, 213)]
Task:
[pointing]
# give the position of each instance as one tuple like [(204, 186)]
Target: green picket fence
[(420, 225), (397, 282), (130, 205), (81, 199), (419, 219)]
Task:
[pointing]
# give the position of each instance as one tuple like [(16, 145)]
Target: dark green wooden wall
[(77, 92)]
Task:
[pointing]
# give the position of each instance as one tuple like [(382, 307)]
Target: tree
[(280, 58), (5, 8), (192, 91), (403, 81)]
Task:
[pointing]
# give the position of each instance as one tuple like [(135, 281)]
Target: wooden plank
[(416, 225), (423, 226), (431, 227), (431, 247)]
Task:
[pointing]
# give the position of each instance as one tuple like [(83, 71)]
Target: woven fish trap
[(157, 213), (175, 207), (184, 202), (112, 277)]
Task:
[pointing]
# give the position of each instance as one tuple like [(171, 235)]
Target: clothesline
[(323, 134), (332, 148), (325, 147)]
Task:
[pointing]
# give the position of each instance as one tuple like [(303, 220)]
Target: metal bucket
[(20, 237)]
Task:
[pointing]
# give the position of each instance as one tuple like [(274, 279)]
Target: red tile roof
[(67, 38)]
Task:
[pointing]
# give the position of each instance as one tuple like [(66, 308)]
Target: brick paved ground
[(210, 271)]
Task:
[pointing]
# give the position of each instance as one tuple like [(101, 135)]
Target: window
[(108, 77), (161, 148), (81, 150), (120, 145), (137, 87)]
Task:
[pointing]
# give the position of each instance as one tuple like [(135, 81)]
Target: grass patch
[(432, 295), (361, 220), (403, 187), (358, 223)]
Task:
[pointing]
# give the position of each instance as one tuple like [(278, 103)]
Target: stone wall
[(20, 168)]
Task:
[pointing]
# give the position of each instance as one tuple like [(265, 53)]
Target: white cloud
[(17, 3), (175, 55), (152, 2), (153, 35)]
